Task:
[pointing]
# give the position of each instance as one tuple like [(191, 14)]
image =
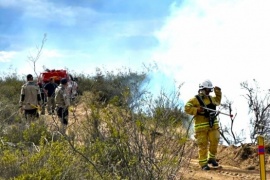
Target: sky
[(226, 41)]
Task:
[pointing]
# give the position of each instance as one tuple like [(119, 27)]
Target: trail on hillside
[(193, 172), (237, 162)]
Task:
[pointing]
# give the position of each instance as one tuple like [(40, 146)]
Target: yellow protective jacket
[(202, 122)]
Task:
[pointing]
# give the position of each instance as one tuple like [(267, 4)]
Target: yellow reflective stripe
[(216, 121), (203, 161), (205, 124), (189, 104), (211, 155), (201, 124)]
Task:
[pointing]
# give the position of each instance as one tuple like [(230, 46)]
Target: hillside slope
[(236, 162)]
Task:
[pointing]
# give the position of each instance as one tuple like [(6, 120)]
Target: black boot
[(205, 168), (213, 162)]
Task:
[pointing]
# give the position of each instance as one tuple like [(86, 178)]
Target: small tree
[(34, 59), (226, 132), (258, 104)]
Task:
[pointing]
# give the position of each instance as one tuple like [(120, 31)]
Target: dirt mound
[(237, 162), (244, 157)]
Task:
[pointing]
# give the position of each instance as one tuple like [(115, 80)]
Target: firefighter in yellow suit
[(206, 124)]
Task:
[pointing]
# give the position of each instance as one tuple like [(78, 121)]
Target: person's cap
[(29, 76), (63, 81)]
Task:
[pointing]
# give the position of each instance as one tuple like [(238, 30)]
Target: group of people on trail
[(56, 96), (202, 107)]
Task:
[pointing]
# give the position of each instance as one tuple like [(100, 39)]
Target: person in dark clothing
[(49, 90), (30, 99)]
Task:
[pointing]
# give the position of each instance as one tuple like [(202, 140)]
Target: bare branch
[(259, 106), (227, 133), (34, 59)]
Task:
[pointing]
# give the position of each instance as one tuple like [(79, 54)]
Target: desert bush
[(19, 141), (53, 161), (9, 99), (108, 85), (135, 145), (25, 132), (9, 163), (10, 88)]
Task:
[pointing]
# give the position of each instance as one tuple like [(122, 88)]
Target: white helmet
[(206, 84)]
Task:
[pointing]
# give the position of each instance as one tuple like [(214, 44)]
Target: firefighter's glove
[(70, 109), (200, 110), (217, 88)]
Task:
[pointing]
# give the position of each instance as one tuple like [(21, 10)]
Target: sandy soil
[(236, 163)]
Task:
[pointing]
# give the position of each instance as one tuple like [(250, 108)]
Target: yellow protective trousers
[(207, 141)]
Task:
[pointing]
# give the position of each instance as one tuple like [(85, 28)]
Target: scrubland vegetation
[(117, 130)]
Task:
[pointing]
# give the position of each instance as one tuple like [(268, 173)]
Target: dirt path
[(224, 173)]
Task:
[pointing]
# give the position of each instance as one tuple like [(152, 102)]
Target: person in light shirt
[(62, 102), (30, 99)]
